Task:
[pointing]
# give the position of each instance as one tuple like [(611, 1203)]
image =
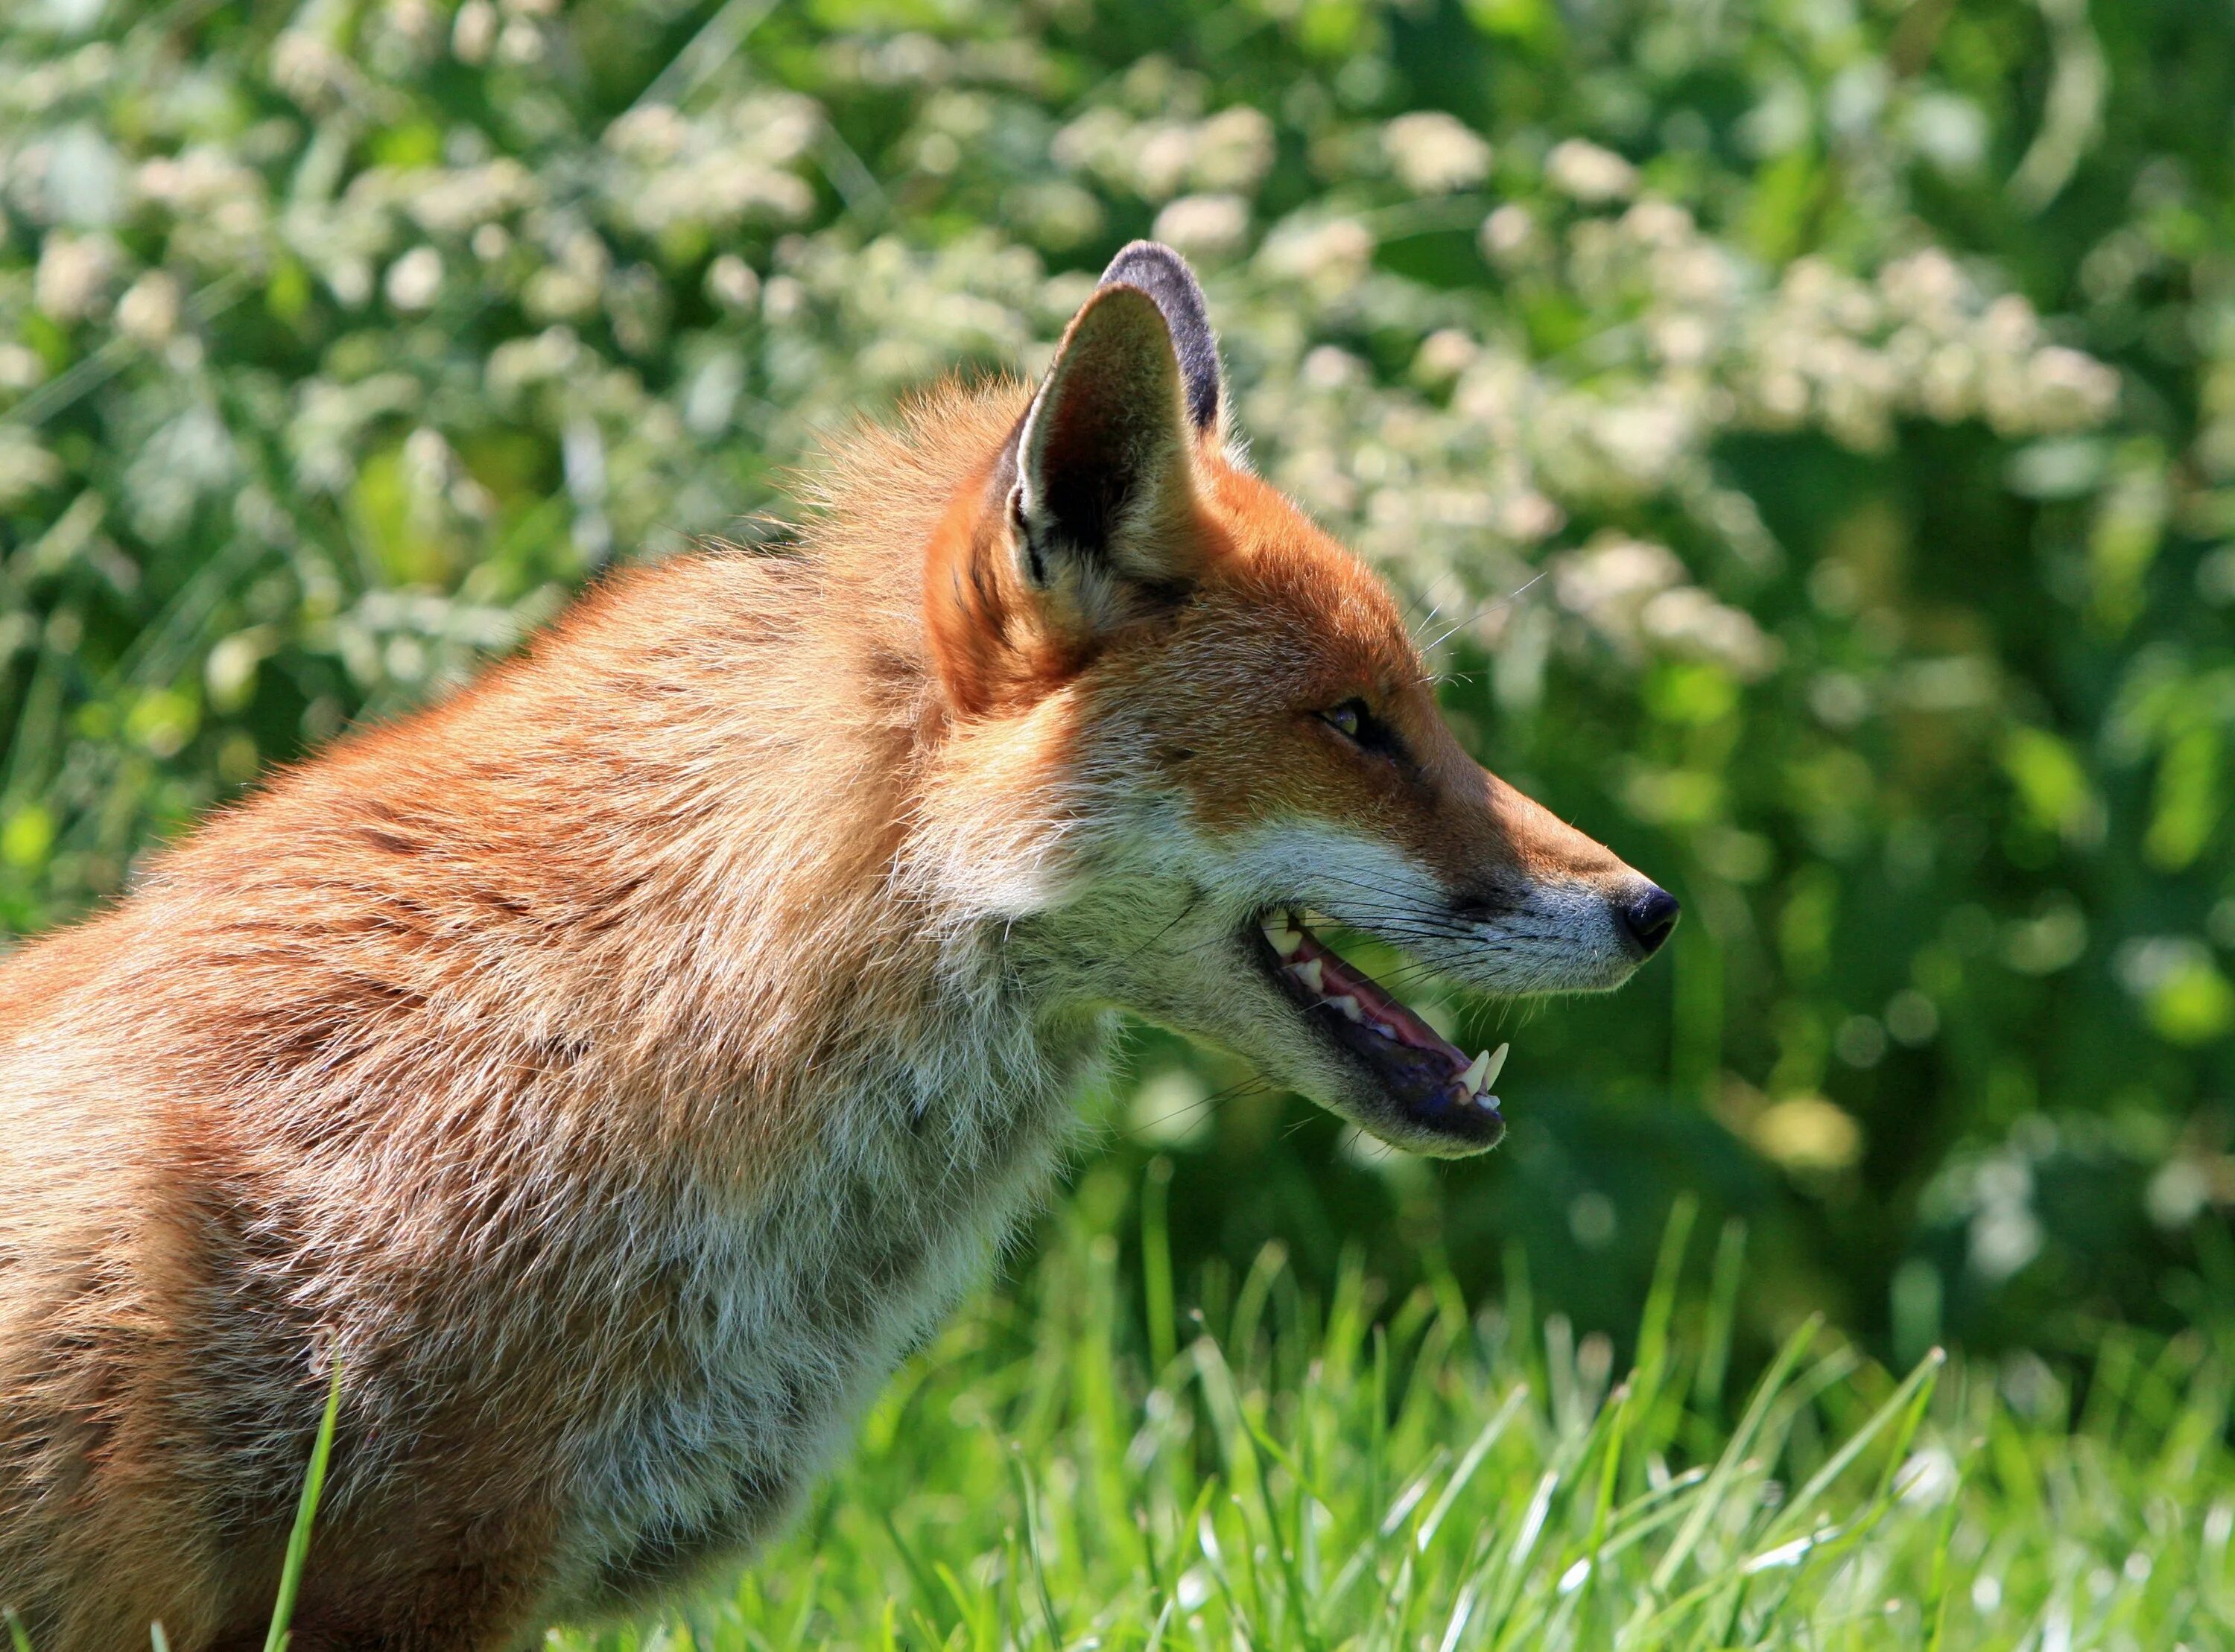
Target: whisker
[(1213, 1103)]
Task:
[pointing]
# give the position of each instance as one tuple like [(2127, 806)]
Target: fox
[(608, 1074)]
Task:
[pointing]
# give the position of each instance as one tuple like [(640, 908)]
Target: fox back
[(616, 1068)]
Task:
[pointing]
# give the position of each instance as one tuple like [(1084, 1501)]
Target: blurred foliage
[(1806, 429)]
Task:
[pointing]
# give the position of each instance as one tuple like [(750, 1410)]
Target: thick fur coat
[(617, 1067)]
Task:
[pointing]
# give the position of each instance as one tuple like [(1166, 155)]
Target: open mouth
[(1437, 1089)]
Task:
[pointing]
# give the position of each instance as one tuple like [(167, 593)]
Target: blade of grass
[(1045, 1597), (1915, 1393), (1772, 1383), (1723, 1315), (1157, 1264), (306, 1512), (1491, 1430)]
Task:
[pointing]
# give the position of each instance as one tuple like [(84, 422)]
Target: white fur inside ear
[(1028, 512), (1028, 531), (1029, 509)]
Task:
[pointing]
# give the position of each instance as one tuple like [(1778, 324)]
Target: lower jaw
[(1413, 1100), (1432, 1123)]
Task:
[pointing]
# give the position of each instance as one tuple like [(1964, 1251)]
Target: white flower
[(1643, 439), (415, 280), (1433, 153), (1163, 153), (20, 367), (1925, 286), (1948, 387), (573, 285), (651, 136), (518, 364), (1680, 340), (349, 278), (196, 179), (475, 32), (521, 43), (1509, 235), (74, 275), (1528, 516), (25, 466), (2010, 324), (1690, 620), (2070, 391), (453, 201), (149, 308), (1614, 572), (1329, 369), (731, 283), (309, 70), (1233, 151), (1654, 222), (1205, 226), (1587, 173), (1332, 254), (1443, 356)]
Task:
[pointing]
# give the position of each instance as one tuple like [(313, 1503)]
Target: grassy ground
[(1278, 1473)]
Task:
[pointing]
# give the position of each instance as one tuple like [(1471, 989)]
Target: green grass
[(306, 1514), (1428, 1474)]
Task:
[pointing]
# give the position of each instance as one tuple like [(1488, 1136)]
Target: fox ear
[(1087, 519), (1104, 478)]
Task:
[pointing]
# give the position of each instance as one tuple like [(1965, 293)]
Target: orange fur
[(615, 1066)]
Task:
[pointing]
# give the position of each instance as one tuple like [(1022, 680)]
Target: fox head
[(1243, 732)]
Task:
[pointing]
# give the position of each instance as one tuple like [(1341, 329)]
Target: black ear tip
[(1139, 263), (1164, 276)]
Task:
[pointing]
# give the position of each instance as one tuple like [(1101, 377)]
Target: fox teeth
[(1313, 974), (1346, 1007), (1497, 1065), (1483, 1071), (1284, 934)]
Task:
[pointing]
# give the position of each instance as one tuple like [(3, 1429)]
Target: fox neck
[(882, 982)]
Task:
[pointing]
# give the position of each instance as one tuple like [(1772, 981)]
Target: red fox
[(617, 1067)]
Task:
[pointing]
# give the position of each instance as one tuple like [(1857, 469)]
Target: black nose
[(1647, 919)]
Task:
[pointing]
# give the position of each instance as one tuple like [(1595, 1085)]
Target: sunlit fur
[(617, 1067)]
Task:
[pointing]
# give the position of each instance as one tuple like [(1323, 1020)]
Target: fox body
[(617, 1067)]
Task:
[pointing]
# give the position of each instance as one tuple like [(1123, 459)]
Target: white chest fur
[(789, 1308)]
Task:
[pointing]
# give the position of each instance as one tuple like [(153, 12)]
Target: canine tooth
[(1497, 1065), (1313, 974), (1284, 934), (1347, 1006), (1473, 1079)]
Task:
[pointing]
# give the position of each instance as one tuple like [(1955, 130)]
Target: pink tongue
[(1338, 979)]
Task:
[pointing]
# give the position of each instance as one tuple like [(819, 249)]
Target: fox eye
[(1355, 721)]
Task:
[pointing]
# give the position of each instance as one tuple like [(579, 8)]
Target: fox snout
[(1648, 918), (1550, 907)]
